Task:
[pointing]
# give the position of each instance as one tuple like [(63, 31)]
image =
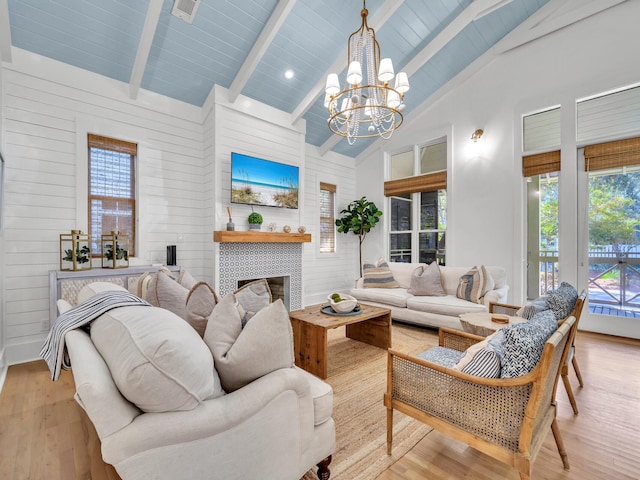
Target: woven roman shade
[(327, 218), (621, 153), (420, 183), (540, 163), (106, 143)]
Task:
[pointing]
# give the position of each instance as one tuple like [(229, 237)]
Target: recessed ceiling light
[(289, 74)]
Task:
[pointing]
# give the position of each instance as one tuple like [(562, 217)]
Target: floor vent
[(185, 9)]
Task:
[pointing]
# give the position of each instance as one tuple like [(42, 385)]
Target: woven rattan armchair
[(571, 359), (506, 418)]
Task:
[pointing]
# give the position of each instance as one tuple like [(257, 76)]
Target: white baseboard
[(23, 352), (3, 368)]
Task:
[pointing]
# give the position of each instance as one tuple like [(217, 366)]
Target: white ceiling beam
[(381, 16), (260, 47), (554, 16), (476, 10), (144, 46), (5, 32)]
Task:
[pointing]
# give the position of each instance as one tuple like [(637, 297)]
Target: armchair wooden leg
[(389, 429), (560, 445), (574, 362), (567, 386), (323, 469)]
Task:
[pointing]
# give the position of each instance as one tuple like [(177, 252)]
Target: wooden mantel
[(224, 236)]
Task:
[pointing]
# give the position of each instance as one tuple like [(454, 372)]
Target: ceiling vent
[(185, 9)]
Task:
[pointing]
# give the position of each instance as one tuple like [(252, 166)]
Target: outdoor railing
[(614, 276)]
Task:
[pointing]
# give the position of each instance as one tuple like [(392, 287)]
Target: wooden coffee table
[(310, 326)]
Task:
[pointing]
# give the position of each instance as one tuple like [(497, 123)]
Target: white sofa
[(430, 311), (277, 427)]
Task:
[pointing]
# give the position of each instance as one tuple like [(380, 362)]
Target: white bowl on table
[(347, 304)]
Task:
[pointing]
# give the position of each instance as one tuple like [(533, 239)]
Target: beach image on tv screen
[(256, 181)]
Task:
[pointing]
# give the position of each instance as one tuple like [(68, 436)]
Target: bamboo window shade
[(112, 202), (327, 218), (540, 163), (419, 183), (621, 153)]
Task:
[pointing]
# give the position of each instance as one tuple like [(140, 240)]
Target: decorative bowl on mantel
[(346, 304)]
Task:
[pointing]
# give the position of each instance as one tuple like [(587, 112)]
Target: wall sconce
[(475, 136)]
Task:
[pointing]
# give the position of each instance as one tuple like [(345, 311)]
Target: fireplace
[(239, 262), (279, 287)]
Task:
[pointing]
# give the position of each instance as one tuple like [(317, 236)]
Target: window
[(112, 203), (327, 218), (418, 204)]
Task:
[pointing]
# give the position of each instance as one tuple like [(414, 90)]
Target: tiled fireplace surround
[(242, 261)]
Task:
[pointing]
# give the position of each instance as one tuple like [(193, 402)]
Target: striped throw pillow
[(471, 285), (378, 275)]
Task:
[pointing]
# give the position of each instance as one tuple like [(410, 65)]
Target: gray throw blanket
[(54, 350)]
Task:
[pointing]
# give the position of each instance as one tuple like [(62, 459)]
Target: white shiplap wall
[(609, 117), (3, 362), (48, 108), (324, 273)]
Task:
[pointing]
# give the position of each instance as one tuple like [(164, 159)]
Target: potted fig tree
[(360, 216)]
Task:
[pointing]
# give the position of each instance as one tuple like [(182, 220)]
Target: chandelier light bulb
[(354, 75), (371, 129), (402, 82), (393, 100), (385, 73), (333, 84)]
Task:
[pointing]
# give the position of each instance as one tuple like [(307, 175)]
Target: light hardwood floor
[(42, 435)]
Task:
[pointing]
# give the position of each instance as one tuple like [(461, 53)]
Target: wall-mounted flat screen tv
[(256, 181)]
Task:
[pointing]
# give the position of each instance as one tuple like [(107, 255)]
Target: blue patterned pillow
[(533, 307), (447, 357), (485, 363), (523, 344), (562, 300), (546, 320)]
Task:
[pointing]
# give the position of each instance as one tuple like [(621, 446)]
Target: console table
[(67, 284)]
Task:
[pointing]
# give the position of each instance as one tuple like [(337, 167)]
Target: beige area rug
[(358, 375)]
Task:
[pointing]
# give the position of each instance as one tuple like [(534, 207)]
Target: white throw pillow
[(158, 362), (91, 289), (241, 355), (427, 281)]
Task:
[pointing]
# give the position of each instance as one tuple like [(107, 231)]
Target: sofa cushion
[(447, 305), (242, 355), (471, 286), (378, 275), (395, 297), (402, 272), (426, 281), (322, 395), (546, 320), (447, 357), (562, 300), (91, 289), (158, 362)]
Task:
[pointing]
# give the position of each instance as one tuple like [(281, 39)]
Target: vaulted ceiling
[(247, 46)]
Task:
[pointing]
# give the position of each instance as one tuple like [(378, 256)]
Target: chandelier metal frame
[(375, 104)]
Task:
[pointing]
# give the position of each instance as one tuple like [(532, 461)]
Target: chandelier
[(366, 106)]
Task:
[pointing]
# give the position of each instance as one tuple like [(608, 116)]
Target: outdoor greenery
[(360, 216)]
